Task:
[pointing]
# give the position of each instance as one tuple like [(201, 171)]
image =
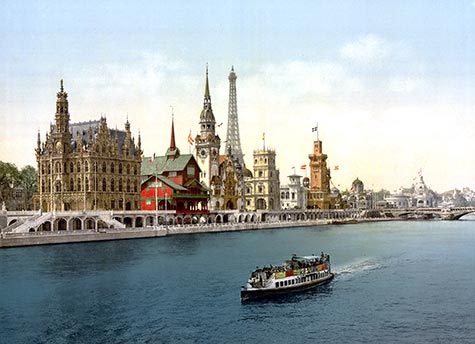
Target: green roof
[(161, 164)]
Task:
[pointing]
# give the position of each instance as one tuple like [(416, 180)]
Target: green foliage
[(12, 179)]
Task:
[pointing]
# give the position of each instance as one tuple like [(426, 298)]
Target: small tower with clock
[(207, 142)]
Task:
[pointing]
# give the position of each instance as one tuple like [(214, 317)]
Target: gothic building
[(262, 190), (207, 144), (86, 166), (319, 195)]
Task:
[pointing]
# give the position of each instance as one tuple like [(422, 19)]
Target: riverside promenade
[(62, 237)]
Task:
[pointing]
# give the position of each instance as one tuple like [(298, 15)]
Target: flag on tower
[(220, 124), (152, 158), (336, 168), (263, 136), (314, 129), (303, 167), (191, 141)]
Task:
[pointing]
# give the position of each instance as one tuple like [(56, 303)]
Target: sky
[(391, 84)]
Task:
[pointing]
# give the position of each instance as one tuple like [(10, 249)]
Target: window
[(104, 167), (120, 186), (112, 168), (79, 184), (71, 167), (86, 166), (120, 168), (104, 184), (148, 202), (79, 166), (190, 171), (173, 174), (112, 185)]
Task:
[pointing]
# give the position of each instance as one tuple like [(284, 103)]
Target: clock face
[(203, 153)]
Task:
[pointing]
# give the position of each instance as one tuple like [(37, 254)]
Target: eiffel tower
[(233, 141)]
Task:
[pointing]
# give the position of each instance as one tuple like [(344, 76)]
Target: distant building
[(86, 166), (319, 194), (171, 182), (293, 195), (263, 187), (417, 196), (359, 198)]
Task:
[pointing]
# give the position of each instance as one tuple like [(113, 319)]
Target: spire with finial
[(61, 87), (172, 139), (207, 95), (207, 115)]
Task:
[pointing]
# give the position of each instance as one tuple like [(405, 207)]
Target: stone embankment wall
[(66, 237)]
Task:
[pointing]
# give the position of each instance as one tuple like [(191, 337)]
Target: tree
[(12, 179)]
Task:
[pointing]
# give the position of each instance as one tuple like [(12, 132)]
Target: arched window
[(112, 185), (58, 186), (79, 166), (71, 167), (71, 184), (79, 184), (135, 170), (86, 166), (128, 185), (104, 167), (120, 168), (87, 184), (104, 185), (112, 168), (120, 184), (128, 169)]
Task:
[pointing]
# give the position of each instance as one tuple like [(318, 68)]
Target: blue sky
[(391, 83)]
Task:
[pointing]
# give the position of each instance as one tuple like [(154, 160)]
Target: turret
[(62, 113)]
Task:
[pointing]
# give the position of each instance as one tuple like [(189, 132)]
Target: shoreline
[(10, 240)]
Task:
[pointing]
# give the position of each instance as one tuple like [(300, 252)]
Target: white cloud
[(367, 49)]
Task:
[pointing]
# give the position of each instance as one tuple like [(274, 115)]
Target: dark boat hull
[(265, 293)]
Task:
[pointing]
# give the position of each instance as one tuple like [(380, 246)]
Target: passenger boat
[(298, 273)]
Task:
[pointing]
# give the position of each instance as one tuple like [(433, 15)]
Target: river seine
[(396, 282)]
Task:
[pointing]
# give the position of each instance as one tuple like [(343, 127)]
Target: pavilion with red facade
[(171, 182)]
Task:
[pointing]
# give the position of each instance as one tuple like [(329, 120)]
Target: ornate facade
[(294, 194), (207, 144), (262, 190), (86, 166), (319, 195)]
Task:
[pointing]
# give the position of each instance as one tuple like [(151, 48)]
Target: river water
[(396, 282)]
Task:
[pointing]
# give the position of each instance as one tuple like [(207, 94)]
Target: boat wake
[(366, 264)]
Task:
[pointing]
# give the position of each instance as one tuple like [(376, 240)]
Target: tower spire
[(207, 95), (233, 141), (172, 139)]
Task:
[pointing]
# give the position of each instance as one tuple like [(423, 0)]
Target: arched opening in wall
[(76, 224), (61, 225), (219, 219), (161, 220), (31, 230), (149, 221), (89, 224), (128, 222), (253, 218), (12, 222), (217, 205), (261, 204), (128, 206), (247, 218), (230, 205), (45, 227), (187, 220), (178, 220), (139, 222)]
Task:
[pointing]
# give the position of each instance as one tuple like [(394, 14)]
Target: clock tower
[(207, 142)]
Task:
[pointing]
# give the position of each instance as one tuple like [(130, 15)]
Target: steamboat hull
[(262, 293)]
